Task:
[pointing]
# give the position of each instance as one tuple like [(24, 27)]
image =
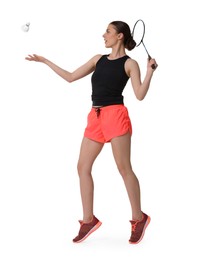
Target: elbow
[(140, 98), (69, 80), (139, 95), (67, 76)]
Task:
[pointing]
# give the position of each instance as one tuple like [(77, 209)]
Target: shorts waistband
[(108, 107)]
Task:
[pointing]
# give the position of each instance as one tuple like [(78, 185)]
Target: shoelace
[(134, 225)]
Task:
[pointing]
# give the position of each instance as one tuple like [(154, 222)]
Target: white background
[(42, 119)]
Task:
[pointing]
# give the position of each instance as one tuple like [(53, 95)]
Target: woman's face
[(110, 36)]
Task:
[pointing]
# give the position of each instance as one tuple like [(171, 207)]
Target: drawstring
[(97, 111)]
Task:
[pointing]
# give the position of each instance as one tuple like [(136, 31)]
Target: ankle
[(87, 219), (137, 217)]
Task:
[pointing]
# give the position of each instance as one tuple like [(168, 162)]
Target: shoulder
[(131, 62), (93, 61), (96, 58), (131, 66)]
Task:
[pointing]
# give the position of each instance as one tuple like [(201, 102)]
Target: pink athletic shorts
[(105, 123)]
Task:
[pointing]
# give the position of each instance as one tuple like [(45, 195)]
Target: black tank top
[(108, 81)]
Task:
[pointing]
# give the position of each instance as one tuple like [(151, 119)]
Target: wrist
[(46, 61)]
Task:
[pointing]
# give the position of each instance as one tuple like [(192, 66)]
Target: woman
[(108, 121)]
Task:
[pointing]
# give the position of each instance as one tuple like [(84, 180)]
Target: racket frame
[(141, 41)]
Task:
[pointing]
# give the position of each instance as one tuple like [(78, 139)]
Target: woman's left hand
[(152, 64)]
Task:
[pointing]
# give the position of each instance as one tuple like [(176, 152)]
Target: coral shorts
[(107, 122)]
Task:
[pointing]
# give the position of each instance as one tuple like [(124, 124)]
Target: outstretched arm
[(81, 72), (140, 88)]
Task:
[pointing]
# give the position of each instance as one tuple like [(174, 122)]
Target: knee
[(83, 168), (79, 168), (124, 169)]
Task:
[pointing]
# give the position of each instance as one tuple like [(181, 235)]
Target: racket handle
[(153, 65)]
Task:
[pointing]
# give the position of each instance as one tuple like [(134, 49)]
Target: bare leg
[(121, 152), (88, 153)]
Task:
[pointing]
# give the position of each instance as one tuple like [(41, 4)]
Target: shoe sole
[(90, 232), (145, 226)]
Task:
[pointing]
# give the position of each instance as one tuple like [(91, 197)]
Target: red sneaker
[(86, 229), (138, 229)]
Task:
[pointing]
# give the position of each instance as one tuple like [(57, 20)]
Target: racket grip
[(153, 65)]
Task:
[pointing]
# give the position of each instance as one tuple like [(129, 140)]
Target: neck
[(117, 53)]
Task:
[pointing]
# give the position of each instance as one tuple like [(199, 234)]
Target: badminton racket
[(138, 34)]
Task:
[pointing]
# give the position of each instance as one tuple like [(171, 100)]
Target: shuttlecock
[(25, 27)]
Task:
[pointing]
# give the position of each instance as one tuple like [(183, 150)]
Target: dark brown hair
[(122, 27)]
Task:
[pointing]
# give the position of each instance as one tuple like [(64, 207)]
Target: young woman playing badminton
[(108, 121)]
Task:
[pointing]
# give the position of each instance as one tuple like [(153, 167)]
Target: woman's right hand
[(35, 57)]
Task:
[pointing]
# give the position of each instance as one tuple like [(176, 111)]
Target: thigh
[(88, 152), (121, 148)]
